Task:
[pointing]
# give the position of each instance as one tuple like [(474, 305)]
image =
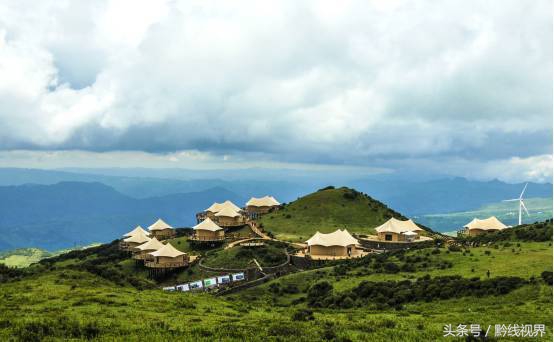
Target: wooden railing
[(153, 264), (204, 238)]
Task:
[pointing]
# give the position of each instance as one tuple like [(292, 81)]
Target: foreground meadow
[(64, 303)]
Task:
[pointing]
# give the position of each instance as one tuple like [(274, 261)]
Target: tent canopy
[(491, 223), (207, 224), (217, 207), (336, 238), (398, 226), (135, 231), (266, 201), (159, 225), (214, 208), (167, 251), (139, 237), (227, 212), (152, 245)]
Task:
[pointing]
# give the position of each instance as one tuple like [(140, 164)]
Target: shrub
[(291, 289), (347, 303), (407, 268), (303, 315), (319, 291), (391, 267), (547, 277), (454, 248), (275, 288), (350, 194)]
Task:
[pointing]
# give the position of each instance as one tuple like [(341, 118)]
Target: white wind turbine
[(521, 204)]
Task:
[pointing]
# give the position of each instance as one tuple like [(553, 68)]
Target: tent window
[(388, 237)]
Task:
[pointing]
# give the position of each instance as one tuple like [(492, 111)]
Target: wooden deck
[(204, 239), (357, 253), (376, 238), (153, 264)]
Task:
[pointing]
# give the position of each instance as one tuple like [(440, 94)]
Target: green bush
[(303, 315)]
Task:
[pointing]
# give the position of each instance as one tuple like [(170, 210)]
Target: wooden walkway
[(257, 230)]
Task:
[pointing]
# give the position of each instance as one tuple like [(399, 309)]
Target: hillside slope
[(327, 210), (92, 294)]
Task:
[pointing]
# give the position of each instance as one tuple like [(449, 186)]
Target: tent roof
[(136, 230), (152, 245), (217, 207), (491, 223), (336, 238), (228, 212), (207, 224), (410, 233), (214, 208), (231, 205), (159, 225), (398, 226), (139, 237), (167, 251), (266, 201)]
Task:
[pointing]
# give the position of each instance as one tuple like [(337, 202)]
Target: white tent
[(139, 237), (398, 226), (491, 223), (167, 251), (217, 207), (207, 224), (336, 238), (159, 225), (135, 231), (227, 212), (214, 208), (152, 245), (266, 201)]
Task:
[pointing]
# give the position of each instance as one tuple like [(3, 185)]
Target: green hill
[(327, 210), (23, 257), (270, 254)]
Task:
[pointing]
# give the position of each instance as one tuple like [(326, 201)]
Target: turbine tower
[(521, 204)]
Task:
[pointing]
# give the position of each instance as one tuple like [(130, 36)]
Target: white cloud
[(296, 81)]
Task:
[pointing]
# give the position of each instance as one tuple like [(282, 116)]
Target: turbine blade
[(511, 200), (524, 207), (525, 187)]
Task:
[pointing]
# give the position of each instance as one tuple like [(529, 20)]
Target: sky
[(461, 88)]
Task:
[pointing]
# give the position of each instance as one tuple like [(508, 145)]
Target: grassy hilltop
[(327, 210)]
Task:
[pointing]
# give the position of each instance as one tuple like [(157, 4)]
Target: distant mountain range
[(410, 197), (445, 195), (69, 213), (58, 209)]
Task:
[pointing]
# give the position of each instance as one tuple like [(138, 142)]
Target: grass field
[(530, 259), (67, 304), (101, 294), (271, 254), (327, 211)]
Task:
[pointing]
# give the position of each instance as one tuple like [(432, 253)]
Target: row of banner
[(207, 283)]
